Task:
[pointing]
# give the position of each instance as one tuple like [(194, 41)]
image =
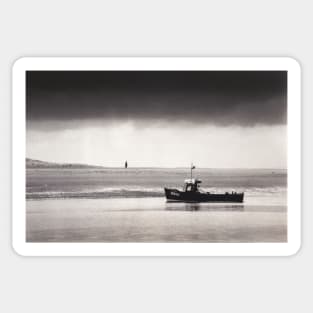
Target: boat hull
[(190, 196)]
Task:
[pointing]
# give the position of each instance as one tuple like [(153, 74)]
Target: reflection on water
[(196, 206), (152, 220)]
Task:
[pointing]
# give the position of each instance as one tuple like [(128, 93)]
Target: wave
[(109, 193), (140, 193)]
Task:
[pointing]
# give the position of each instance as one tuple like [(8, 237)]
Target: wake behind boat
[(192, 193)]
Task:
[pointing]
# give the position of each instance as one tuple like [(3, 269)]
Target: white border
[(156, 249)]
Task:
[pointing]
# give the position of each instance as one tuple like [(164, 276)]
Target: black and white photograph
[(156, 156)]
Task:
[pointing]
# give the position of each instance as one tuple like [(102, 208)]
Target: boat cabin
[(191, 185)]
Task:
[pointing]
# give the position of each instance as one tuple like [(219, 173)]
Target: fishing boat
[(192, 193)]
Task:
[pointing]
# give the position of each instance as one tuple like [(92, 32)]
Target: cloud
[(238, 98)]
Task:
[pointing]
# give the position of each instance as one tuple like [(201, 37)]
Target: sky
[(217, 119)]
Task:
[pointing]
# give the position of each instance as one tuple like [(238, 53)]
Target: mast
[(191, 172), (192, 167)]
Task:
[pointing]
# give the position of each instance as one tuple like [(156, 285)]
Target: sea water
[(128, 205)]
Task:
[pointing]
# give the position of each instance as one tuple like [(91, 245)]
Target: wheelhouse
[(192, 185)]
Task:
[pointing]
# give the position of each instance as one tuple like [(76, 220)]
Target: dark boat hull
[(190, 196)]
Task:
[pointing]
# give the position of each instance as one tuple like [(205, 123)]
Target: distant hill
[(31, 163)]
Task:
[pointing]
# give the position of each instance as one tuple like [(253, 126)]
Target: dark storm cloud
[(243, 98)]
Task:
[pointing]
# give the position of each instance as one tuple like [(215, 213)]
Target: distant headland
[(31, 163)]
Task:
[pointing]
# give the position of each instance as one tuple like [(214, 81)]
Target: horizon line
[(169, 167)]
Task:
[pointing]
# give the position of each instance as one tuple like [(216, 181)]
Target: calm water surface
[(114, 205)]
